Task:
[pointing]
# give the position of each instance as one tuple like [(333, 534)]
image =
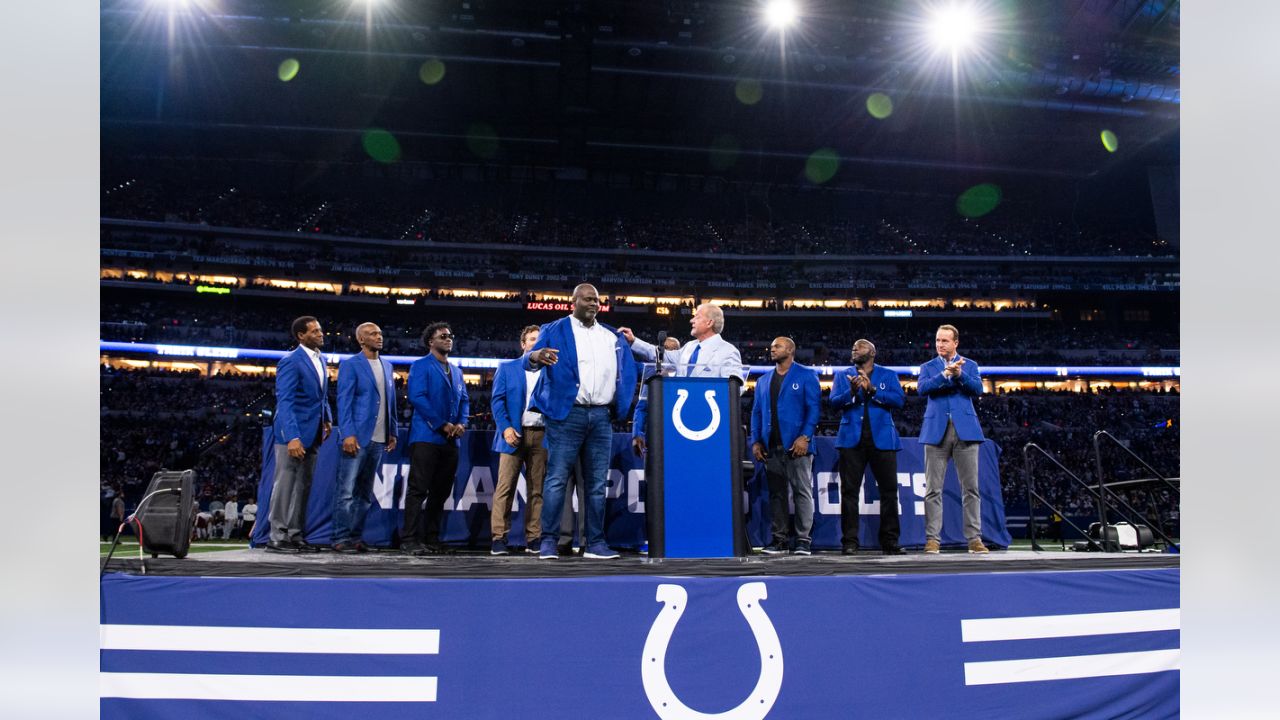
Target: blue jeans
[(586, 435), (355, 483)]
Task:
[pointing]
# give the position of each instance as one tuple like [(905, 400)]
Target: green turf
[(129, 548)]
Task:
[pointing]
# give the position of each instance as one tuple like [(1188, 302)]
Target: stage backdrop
[(467, 510)]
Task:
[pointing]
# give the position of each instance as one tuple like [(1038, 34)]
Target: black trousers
[(432, 469), (884, 467)]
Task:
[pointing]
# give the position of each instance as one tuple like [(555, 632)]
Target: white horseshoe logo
[(653, 664), (681, 396)]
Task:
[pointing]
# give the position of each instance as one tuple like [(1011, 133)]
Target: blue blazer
[(640, 421), (302, 401), (557, 385), (507, 402), (435, 401), (950, 400), (798, 407), (888, 396), (358, 398)]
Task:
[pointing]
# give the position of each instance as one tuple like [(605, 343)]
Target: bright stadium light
[(780, 13), (954, 27)]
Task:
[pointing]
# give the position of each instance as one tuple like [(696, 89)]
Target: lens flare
[(822, 165), (879, 105), (288, 69)]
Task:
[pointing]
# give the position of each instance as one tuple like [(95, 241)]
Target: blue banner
[(698, 501), (466, 514), (1093, 644)]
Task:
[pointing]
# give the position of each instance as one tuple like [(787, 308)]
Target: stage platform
[(480, 564), (1012, 634)]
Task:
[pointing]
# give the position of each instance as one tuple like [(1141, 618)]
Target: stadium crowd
[(910, 229)]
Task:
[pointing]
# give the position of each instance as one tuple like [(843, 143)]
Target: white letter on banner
[(918, 485), (825, 506), (864, 507), (384, 485), (613, 485), (479, 489), (635, 503)]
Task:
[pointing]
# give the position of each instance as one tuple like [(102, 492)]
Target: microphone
[(662, 341)]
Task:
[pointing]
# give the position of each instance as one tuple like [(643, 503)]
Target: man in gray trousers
[(951, 431), (303, 421)]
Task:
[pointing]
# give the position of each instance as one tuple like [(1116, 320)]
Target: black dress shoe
[(305, 547), (893, 550), (436, 548), (281, 546), (849, 550), (413, 549), (345, 548), (361, 547)]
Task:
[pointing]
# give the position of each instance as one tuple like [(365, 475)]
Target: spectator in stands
[(867, 394), (518, 440), (231, 510), (579, 400), (250, 515), (783, 420), (303, 421), (367, 424), (951, 432), (440, 409)]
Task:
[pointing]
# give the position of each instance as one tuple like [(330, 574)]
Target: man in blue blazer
[(640, 421), (302, 423), (367, 426), (866, 395), (579, 396), (438, 395), (951, 431), (518, 440), (783, 419)]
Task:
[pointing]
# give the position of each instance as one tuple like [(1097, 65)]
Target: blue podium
[(693, 468)]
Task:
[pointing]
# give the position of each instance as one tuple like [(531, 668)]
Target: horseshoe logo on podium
[(696, 435), (653, 668)]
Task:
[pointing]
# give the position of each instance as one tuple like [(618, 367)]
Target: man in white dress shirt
[(706, 355)]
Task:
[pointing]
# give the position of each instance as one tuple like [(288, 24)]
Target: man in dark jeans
[(440, 408), (866, 394)]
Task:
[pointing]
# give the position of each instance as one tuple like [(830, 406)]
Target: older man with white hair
[(706, 355)]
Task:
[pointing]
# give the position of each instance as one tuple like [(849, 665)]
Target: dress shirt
[(529, 418), (597, 363), (317, 362)]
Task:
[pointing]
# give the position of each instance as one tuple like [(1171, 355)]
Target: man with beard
[(783, 419), (579, 396), (440, 409), (866, 394)]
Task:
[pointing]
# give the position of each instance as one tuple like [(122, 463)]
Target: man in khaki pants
[(518, 440)]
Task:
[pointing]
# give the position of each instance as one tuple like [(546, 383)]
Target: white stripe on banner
[(1064, 668), (285, 688), (1052, 626), (270, 639)]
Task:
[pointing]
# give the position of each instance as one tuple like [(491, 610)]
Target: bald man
[(367, 426), (783, 419), (580, 395)]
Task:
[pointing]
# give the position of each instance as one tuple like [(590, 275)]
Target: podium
[(693, 468)]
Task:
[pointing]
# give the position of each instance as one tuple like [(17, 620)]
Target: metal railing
[(1032, 496), (1104, 490)]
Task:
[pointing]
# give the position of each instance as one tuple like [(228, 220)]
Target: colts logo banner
[(677, 417), (653, 662)]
